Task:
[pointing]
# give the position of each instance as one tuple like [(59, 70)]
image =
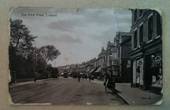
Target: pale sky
[(79, 34)]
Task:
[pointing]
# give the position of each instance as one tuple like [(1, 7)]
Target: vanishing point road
[(63, 91)]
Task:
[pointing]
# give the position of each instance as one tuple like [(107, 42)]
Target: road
[(63, 91)]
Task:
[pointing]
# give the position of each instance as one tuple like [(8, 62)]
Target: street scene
[(85, 56)]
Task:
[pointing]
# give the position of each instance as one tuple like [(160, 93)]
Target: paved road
[(63, 91)]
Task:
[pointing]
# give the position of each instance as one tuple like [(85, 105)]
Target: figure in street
[(106, 80), (79, 77), (109, 81)]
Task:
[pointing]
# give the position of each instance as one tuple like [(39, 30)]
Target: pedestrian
[(35, 79), (112, 81), (89, 76), (106, 81), (79, 77), (109, 81)]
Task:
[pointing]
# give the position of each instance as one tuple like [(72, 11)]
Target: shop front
[(138, 72), (153, 77), (147, 70)]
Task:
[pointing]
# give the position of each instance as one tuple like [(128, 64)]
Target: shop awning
[(98, 69), (88, 71), (92, 70)]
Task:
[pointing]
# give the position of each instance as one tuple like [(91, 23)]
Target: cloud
[(79, 35), (61, 25), (66, 22), (67, 39)]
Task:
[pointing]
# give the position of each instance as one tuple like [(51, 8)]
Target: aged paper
[(76, 5)]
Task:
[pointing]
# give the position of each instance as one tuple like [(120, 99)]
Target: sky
[(79, 34)]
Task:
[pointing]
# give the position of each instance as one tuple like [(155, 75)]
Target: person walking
[(106, 81), (79, 77), (89, 76), (109, 81), (35, 76)]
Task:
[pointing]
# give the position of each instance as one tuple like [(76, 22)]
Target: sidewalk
[(39, 81), (137, 96)]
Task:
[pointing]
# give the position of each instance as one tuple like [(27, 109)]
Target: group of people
[(79, 76), (109, 80)]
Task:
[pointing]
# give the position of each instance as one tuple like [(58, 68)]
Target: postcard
[(85, 56)]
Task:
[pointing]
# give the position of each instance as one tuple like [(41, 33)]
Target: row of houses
[(140, 51), (105, 62), (134, 56)]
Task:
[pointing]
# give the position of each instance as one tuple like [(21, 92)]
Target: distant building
[(108, 61), (102, 58), (146, 53), (123, 43), (112, 58), (90, 66)]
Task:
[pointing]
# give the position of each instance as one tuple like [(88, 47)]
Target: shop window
[(156, 68)]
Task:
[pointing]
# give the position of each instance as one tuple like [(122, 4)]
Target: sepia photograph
[(85, 56)]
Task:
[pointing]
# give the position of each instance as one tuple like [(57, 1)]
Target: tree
[(41, 56), (21, 39), (52, 71), (21, 45), (26, 60), (49, 52)]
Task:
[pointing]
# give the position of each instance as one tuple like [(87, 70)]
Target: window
[(141, 34), (150, 28), (159, 25), (135, 39), (140, 13), (135, 15)]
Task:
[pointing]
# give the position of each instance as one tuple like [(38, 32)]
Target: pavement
[(62, 91), (137, 96)]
